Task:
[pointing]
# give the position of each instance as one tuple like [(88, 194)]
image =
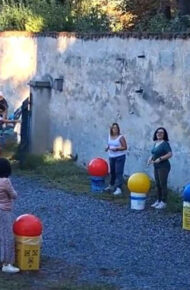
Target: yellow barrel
[(28, 252), (186, 215)]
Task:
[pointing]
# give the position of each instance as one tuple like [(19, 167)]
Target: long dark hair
[(111, 129), (5, 168), (165, 137)]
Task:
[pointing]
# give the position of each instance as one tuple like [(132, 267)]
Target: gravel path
[(109, 243)]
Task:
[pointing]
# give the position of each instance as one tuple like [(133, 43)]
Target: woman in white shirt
[(116, 148)]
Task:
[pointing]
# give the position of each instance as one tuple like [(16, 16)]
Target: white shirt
[(115, 143)]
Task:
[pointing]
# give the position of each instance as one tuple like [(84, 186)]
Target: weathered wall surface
[(102, 79)]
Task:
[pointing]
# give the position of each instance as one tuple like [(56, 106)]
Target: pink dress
[(7, 243)]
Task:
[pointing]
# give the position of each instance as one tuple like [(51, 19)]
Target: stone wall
[(139, 82)]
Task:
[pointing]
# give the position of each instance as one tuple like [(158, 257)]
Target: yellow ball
[(139, 182)]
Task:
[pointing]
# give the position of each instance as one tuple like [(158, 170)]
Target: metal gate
[(24, 146)]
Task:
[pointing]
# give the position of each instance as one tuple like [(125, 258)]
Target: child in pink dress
[(7, 195)]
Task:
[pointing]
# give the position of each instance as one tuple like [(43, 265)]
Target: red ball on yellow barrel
[(27, 225)]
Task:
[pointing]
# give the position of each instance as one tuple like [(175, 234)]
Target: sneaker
[(161, 205), (117, 191), (108, 188), (155, 203), (10, 269)]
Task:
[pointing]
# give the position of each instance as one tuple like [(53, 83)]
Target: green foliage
[(91, 16), (179, 24), (155, 24), (34, 23), (93, 21), (175, 202), (159, 24), (41, 15), (13, 17), (34, 16)]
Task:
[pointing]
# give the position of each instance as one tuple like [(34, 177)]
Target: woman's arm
[(123, 145), (9, 121), (164, 157), (10, 190)]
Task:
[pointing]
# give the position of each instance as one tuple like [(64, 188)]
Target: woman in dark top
[(161, 152)]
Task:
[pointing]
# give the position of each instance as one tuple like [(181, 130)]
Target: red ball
[(98, 167), (27, 225)]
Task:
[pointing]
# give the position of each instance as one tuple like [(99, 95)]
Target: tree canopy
[(95, 15)]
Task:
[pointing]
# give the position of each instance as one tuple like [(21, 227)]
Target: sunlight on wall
[(62, 148), (64, 42), (67, 148), (18, 59)]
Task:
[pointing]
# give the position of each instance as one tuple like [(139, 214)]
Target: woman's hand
[(150, 161), (107, 148), (114, 149), (158, 160)]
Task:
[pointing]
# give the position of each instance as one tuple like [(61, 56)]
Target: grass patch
[(64, 174), (175, 201), (67, 175)]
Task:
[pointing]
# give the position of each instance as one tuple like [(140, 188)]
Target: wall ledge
[(96, 36)]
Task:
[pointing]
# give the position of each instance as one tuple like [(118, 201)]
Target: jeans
[(161, 178), (116, 170)]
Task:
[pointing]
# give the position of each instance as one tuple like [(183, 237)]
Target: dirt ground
[(53, 274)]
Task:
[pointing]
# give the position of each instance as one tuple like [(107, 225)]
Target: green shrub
[(155, 24), (35, 24), (179, 24), (35, 16), (13, 17), (93, 21)]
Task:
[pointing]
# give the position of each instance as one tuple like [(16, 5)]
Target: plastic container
[(27, 229), (28, 252), (97, 184), (186, 215), (138, 200)]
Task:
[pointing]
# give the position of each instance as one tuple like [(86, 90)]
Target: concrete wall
[(102, 77)]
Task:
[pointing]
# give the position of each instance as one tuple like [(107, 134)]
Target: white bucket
[(138, 200)]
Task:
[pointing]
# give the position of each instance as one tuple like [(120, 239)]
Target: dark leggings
[(116, 170), (161, 178)]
